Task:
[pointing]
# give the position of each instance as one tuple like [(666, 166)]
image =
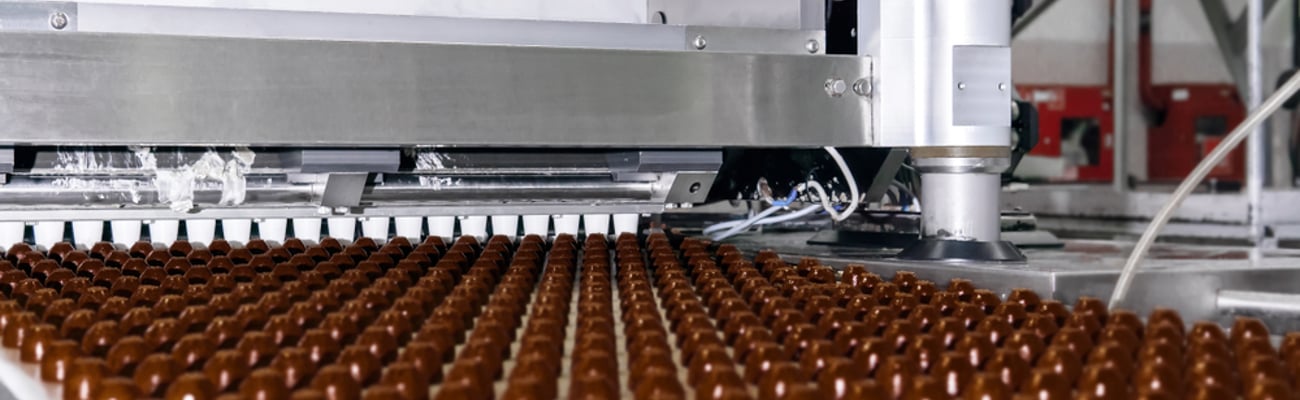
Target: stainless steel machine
[(255, 121), (124, 123)]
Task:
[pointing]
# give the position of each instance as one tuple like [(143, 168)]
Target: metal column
[(1119, 92), (1256, 145)]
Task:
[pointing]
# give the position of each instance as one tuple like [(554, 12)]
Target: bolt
[(695, 187), (1002, 87), (340, 210), (862, 87), (836, 87), (812, 46), (699, 43), (961, 85), (59, 20)]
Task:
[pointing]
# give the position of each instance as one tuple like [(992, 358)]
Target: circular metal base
[(959, 250)]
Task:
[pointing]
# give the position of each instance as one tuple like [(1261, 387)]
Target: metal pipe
[(1256, 159), (1119, 93), (1258, 301)]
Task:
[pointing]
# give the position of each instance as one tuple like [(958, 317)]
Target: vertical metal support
[(941, 79), (1256, 145), (1119, 93)]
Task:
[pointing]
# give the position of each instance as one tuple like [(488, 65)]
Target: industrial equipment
[(203, 202)]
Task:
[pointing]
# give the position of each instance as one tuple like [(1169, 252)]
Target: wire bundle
[(732, 228)]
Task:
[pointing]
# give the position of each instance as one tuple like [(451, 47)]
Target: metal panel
[(99, 89), (274, 24), (1090, 201), (982, 95)]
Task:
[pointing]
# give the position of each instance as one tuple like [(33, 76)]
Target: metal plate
[(158, 90), (981, 93), (284, 24)]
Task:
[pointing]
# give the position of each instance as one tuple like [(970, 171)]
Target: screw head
[(1002, 86), (812, 46), (862, 87), (699, 43), (58, 20), (961, 85), (836, 87)]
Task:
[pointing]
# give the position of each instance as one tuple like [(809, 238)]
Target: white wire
[(853, 188), (746, 223), (1192, 181), (769, 220), (721, 226), (739, 226)]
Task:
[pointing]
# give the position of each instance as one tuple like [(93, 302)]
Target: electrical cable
[(734, 227), (769, 220), (853, 188), (1193, 180), (746, 223)]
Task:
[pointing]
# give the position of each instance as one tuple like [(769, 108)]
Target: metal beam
[(1230, 36), (114, 89), (1031, 16)]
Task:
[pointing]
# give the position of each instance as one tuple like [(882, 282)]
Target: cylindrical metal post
[(1119, 93), (961, 206), (961, 191), (1256, 145), (1232, 301)]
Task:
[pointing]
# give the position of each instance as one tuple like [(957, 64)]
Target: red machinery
[(1075, 125), (1185, 122)]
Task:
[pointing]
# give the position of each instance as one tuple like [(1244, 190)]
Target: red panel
[(1175, 147), (1057, 103)]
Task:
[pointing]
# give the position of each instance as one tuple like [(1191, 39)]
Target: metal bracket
[(691, 187), (343, 190), (636, 165)]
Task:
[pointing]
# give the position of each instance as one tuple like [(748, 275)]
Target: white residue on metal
[(430, 159), (76, 161), (131, 186), (426, 160), (176, 186)]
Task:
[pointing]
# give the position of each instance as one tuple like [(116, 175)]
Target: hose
[(1198, 174)]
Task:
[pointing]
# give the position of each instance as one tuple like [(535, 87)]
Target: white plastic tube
[(1189, 184)]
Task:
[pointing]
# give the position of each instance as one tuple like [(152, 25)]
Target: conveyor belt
[(581, 320)]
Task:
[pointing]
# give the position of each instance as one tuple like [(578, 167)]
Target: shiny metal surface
[(1121, 88), (961, 206), (278, 24), (928, 51), (102, 89), (1094, 201), (1258, 301)]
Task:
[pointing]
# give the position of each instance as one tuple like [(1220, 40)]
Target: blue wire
[(787, 201)]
